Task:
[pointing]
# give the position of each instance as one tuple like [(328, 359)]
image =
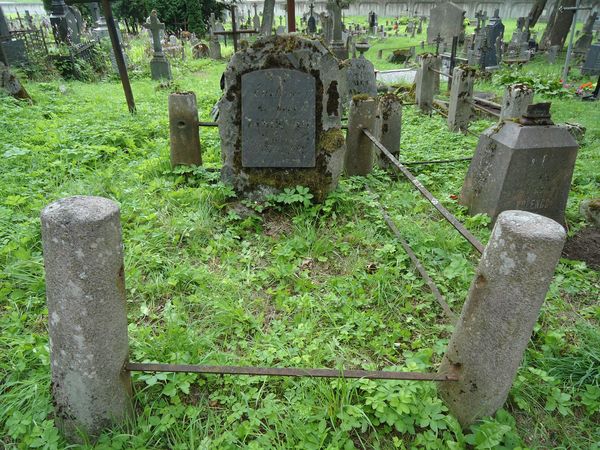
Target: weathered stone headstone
[(312, 22), (13, 51), (218, 28), (280, 118), (159, 65), (445, 20), (425, 81), (256, 19), (360, 73), (338, 46), (591, 66), (518, 47), (586, 37), (460, 110), (552, 54), (214, 46), (390, 127), (517, 98), (526, 166), (65, 24), (360, 154)]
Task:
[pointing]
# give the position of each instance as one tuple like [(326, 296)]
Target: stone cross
[(438, 40), (155, 27)]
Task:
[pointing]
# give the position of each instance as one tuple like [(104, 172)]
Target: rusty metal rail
[(421, 269), (447, 75), (288, 372), (428, 195), (435, 161), (442, 113)]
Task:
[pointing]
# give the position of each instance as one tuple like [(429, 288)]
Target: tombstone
[(389, 127), (591, 66), (360, 74), (256, 19), (525, 166), (587, 35), (13, 51), (218, 28), (280, 118), (518, 47), (445, 20), (460, 110), (552, 54), (494, 36), (159, 65), (214, 45), (65, 23), (327, 25), (517, 97), (337, 44), (425, 81), (99, 28)]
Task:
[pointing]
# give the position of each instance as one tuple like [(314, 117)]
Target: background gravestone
[(360, 74), (447, 21), (280, 118)]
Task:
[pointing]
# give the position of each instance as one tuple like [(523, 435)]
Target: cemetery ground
[(212, 280)]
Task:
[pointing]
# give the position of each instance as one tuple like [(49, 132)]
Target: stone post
[(380, 54), (460, 110), (425, 79), (390, 112), (359, 148), (87, 317), (517, 97), (498, 317), (183, 126)]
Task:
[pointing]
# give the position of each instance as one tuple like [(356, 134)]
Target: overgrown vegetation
[(282, 283)]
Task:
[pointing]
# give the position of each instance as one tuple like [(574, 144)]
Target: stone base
[(519, 167), (339, 50), (160, 69)]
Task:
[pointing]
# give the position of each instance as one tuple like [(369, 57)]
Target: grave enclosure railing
[(96, 342)]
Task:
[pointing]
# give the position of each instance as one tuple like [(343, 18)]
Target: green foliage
[(548, 85)]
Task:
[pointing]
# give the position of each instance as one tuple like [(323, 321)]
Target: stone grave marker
[(586, 37), (219, 28), (65, 23), (525, 165), (552, 54), (591, 65), (256, 19), (13, 50), (214, 45), (280, 118), (445, 19), (360, 74), (159, 65)]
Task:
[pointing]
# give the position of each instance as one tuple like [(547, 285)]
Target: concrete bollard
[(425, 80), (498, 317), (389, 127), (517, 98), (87, 317), (359, 148), (183, 126), (460, 110)]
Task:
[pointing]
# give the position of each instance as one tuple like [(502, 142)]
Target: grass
[(310, 286)]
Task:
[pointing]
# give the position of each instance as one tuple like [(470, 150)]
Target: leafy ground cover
[(286, 283)]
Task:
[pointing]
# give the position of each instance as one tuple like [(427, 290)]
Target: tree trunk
[(268, 13), (536, 11), (559, 25)]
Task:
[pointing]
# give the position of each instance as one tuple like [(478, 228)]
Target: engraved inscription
[(278, 119)]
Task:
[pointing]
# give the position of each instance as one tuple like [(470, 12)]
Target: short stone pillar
[(184, 132), (460, 109), (517, 97), (526, 166), (425, 80), (87, 317), (389, 127), (214, 49), (359, 148), (380, 54), (499, 314)]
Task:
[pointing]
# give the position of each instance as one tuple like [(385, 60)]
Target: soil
[(584, 246)]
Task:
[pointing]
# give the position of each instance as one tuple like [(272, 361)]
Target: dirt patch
[(584, 246), (275, 224)]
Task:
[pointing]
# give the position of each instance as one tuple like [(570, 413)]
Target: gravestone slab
[(591, 66), (446, 20), (525, 166), (264, 115), (280, 118), (360, 74)]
